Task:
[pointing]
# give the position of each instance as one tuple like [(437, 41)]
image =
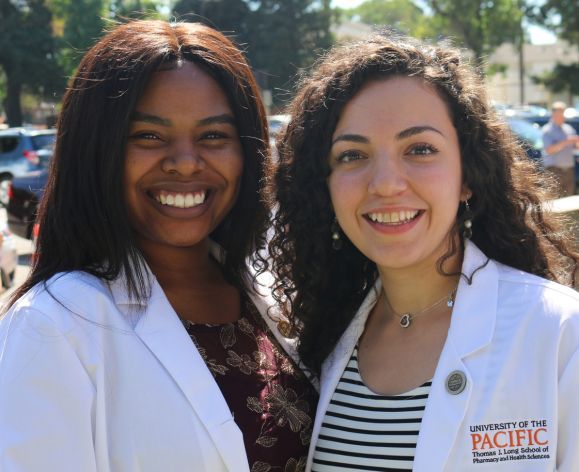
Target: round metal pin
[(455, 382)]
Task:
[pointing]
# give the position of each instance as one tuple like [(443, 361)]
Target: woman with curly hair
[(139, 341), (419, 266)]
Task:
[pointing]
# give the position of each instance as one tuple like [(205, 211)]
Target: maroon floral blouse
[(271, 399)]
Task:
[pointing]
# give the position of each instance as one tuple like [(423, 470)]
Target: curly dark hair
[(83, 217), (319, 288)]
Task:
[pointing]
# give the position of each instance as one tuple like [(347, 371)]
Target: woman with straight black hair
[(139, 341)]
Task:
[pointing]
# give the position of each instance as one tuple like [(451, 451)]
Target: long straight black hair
[(82, 217)]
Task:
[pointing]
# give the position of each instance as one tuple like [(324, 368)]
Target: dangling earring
[(336, 236), (467, 225)]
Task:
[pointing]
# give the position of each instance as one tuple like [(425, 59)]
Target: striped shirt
[(366, 431)]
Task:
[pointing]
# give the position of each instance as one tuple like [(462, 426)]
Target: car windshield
[(43, 141), (527, 132)]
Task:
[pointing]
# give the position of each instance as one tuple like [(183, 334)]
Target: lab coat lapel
[(162, 331), (334, 365), (471, 329)]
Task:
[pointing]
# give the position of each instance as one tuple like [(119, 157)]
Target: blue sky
[(537, 35)]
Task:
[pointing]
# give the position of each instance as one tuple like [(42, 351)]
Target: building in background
[(504, 87)]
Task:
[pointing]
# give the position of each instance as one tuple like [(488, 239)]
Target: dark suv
[(22, 150)]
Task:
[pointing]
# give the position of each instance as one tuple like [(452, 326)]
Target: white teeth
[(182, 200), (396, 217)]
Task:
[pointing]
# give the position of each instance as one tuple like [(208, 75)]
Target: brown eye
[(422, 149), (349, 156)]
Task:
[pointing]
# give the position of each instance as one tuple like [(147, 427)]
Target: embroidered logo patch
[(509, 441)]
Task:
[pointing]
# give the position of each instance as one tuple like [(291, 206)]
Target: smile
[(393, 218), (181, 199)]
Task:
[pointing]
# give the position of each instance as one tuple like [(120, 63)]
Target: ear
[(465, 193)]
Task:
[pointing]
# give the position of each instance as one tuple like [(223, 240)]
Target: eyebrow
[(358, 138), (157, 120)]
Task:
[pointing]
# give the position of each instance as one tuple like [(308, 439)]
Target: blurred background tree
[(402, 15), (279, 36), (481, 25), (562, 17), (42, 41), (28, 53), (77, 25)]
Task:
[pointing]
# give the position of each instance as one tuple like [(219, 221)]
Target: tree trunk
[(520, 47), (12, 101)]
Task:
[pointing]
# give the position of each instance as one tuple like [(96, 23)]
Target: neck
[(412, 290), (176, 267)]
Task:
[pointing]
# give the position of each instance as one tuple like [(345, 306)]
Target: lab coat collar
[(164, 334), (334, 365), (471, 329), (475, 307), (161, 330)]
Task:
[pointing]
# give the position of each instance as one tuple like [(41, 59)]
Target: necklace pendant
[(405, 320)]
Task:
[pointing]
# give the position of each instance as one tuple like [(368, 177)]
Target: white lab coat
[(515, 337), (103, 384)]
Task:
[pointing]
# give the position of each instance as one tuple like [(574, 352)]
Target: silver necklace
[(406, 318)]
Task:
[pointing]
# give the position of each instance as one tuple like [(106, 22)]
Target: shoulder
[(66, 299), (517, 291), (547, 127), (569, 130), (533, 288), (546, 308)]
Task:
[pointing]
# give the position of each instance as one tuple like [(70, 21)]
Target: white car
[(8, 257)]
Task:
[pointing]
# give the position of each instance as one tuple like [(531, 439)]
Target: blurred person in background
[(139, 341), (414, 256), (560, 142)]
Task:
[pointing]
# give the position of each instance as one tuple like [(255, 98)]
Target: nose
[(388, 176), (185, 159)]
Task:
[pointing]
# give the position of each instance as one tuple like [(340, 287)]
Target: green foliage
[(279, 36), (27, 53), (481, 25), (122, 10), (497, 68), (79, 23), (402, 15), (560, 16), (563, 78)]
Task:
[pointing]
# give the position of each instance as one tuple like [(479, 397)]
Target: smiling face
[(396, 180), (184, 160)]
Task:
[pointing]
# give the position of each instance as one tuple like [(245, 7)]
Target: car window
[(43, 141), (8, 143)]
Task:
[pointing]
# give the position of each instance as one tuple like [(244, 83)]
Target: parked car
[(530, 137), (24, 193), (23, 150), (8, 258)]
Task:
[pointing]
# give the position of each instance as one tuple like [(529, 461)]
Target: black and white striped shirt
[(366, 431)]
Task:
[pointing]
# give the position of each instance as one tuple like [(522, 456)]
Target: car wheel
[(4, 186)]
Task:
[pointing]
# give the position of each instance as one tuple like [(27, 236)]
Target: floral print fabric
[(272, 401)]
